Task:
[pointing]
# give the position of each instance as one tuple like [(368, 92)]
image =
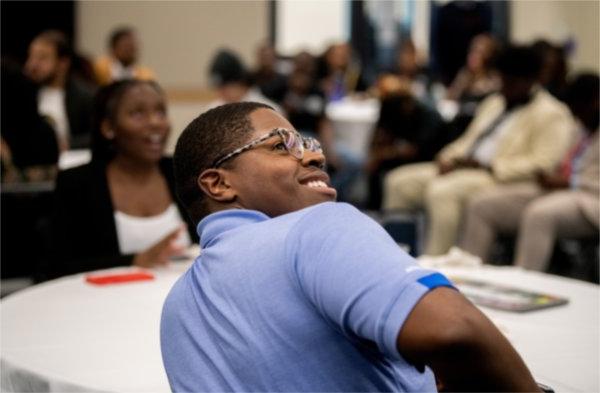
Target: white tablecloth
[(67, 335), (561, 345)]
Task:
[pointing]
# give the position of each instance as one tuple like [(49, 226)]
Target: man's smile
[(319, 182)]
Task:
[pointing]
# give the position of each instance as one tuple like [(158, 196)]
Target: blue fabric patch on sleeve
[(435, 280)]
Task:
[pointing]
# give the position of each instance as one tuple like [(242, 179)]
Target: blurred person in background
[(82, 68), (28, 145), (562, 203), (338, 73), (553, 75), (122, 60), (266, 77), (477, 79), (306, 63), (64, 100), (230, 78), (410, 66), (456, 23), (514, 135), (407, 131), (304, 103), (120, 209)]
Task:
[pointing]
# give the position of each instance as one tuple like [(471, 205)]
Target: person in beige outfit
[(562, 204), (514, 135)]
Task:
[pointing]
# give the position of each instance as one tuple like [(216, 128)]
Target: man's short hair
[(519, 61), (59, 40), (117, 34), (207, 137)]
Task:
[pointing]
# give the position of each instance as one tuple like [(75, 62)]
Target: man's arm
[(463, 348)]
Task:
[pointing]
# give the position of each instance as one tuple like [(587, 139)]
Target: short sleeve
[(355, 275)]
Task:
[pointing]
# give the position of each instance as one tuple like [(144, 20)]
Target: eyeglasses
[(294, 143)]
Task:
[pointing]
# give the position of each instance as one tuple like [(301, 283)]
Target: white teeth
[(316, 184)]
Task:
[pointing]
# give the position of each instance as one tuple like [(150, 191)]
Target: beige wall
[(328, 23), (557, 20), (179, 38)]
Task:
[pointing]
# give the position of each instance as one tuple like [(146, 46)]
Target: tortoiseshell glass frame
[(307, 143)]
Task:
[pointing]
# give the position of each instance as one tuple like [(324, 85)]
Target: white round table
[(68, 335), (560, 345)]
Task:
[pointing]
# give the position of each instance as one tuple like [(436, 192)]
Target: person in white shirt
[(120, 209), (64, 101)]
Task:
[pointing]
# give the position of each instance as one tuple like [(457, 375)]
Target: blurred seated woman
[(121, 209), (477, 78), (410, 67), (339, 74), (475, 81)]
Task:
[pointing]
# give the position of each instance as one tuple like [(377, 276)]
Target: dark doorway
[(23, 20), (454, 24)]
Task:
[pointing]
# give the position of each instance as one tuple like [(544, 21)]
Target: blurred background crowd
[(464, 123)]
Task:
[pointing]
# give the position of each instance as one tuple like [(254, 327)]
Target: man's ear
[(215, 184)]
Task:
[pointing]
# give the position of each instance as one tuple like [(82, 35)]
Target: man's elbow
[(462, 333), (443, 323), (461, 345)]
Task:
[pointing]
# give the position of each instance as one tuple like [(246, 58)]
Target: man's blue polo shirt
[(308, 301)]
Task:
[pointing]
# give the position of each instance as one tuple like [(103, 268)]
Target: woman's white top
[(137, 234)]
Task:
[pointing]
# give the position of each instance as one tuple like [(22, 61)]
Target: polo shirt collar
[(216, 223)]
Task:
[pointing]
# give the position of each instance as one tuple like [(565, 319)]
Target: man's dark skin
[(464, 349)]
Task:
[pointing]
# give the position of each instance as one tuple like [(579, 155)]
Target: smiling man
[(294, 292)]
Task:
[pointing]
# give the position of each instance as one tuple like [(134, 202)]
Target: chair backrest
[(406, 228)]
